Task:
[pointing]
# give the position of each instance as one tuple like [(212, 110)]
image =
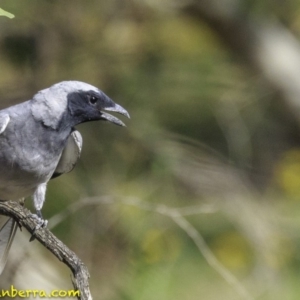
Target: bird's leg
[(38, 200), (39, 196), (45, 222), (42, 223)]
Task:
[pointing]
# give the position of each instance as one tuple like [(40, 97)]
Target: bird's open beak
[(115, 108)]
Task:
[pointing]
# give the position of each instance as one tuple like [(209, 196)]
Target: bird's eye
[(93, 99)]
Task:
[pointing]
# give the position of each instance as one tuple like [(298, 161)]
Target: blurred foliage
[(6, 14), (203, 131), (288, 173)]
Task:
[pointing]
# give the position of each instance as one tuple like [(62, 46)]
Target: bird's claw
[(41, 223)]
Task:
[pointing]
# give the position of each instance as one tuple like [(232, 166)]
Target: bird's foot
[(41, 223), (22, 201)]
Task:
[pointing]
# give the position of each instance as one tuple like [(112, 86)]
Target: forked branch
[(80, 272)]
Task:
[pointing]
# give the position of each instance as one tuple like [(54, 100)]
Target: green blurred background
[(199, 197)]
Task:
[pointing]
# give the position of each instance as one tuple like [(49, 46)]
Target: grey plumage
[(38, 142)]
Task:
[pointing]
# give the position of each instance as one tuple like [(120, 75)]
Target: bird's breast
[(27, 159)]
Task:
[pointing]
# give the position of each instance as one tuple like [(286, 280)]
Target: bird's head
[(74, 102)]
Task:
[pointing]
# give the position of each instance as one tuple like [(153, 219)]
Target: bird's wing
[(4, 119), (7, 234), (70, 154), (8, 226)]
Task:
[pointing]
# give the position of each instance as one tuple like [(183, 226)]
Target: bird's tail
[(8, 227)]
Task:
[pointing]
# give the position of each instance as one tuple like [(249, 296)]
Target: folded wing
[(70, 154), (4, 120)]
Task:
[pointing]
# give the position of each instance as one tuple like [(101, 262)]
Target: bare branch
[(53, 244), (177, 215), (195, 235), (72, 208), (197, 238)]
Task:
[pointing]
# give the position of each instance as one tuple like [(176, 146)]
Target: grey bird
[(38, 142)]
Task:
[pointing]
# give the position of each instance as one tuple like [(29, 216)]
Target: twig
[(72, 208), (197, 238), (177, 215), (191, 231), (53, 244)]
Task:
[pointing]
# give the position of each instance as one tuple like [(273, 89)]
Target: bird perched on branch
[(38, 142)]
